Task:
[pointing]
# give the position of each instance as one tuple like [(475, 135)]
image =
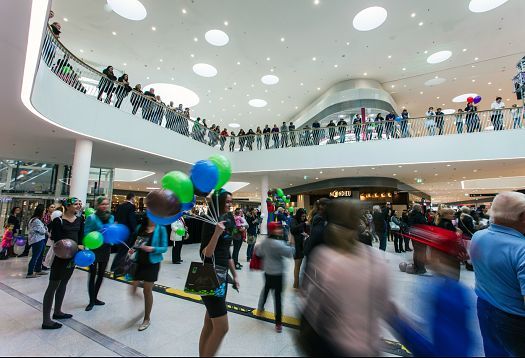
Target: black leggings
[(96, 275), (275, 283), (56, 289), (237, 243)]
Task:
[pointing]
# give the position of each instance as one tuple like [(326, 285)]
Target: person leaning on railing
[(123, 89), (430, 122), (389, 125), (440, 121), (284, 135), (224, 135), (258, 133), (251, 138), (459, 121), (293, 138), (147, 104), (136, 98), (232, 141), (404, 123), (106, 84), (341, 125), (472, 119), (516, 116)]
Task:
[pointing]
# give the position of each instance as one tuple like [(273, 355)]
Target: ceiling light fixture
[(413, 14), (184, 11), (270, 80), (114, 33), (282, 39), (439, 57), (129, 9), (314, 58), (204, 70), (463, 97), (435, 81), (217, 38), (257, 103), (268, 58), (484, 5), (370, 18), (226, 23), (464, 50), (365, 74), (81, 51), (421, 23), (195, 39)]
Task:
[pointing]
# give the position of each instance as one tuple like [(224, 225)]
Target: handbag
[(394, 226), (256, 262), (128, 267), (205, 279)]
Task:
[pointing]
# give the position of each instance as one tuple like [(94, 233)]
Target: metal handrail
[(83, 77)]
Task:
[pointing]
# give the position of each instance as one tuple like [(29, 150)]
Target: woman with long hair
[(215, 248), (299, 230), (71, 227), (95, 222), (37, 242), (151, 241)]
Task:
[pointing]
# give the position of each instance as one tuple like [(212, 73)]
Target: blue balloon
[(115, 233), (204, 175), (84, 258), (190, 205), (159, 220)]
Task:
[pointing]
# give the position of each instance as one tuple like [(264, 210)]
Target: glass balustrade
[(93, 83)]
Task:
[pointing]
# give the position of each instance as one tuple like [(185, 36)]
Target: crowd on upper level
[(113, 90)]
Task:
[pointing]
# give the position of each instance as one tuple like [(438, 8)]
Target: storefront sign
[(374, 196), (340, 193)]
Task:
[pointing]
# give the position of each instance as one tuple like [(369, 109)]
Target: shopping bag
[(202, 279), (256, 262)]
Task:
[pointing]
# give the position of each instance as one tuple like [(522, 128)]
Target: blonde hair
[(441, 213)]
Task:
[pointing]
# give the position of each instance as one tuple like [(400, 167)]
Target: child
[(7, 242), (240, 224)]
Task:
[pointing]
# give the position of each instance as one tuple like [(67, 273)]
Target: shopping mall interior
[(387, 137)]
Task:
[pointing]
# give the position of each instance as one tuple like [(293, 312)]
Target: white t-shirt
[(174, 227), (496, 105)]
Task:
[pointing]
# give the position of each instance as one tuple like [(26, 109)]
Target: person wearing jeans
[(273, 251), (498, 256), (37, 241)]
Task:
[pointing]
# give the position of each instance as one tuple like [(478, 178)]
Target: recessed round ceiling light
[(234, 125), (463, 97), (66, 19), (435, 81), (217, 37), (184, 11), (226, 23), (257, 103), (449, 111), (270, 80), (439, 57), (282, 39), (129, 9), (484, 5), (370, 18), (153, 28), (421, 23), (170, 92), (205, 70)]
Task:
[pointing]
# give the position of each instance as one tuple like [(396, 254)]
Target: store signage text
[(372, 196), (340, 193)]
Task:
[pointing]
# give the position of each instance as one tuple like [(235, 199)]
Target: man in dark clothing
[(380, 226), (317, 227), (125, 215), (317, 132), (389, 124), (275, 136), (341, 125), (149, 104), (331, 131), (293, 138), (266, 132), (416, 217)]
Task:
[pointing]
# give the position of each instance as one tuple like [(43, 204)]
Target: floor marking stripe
[(387, 346), (96, 336)]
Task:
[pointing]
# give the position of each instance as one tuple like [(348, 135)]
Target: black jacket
[(415, 218), (125, 215), (446, 224), (466, 224), (316, 234), (379, 222)]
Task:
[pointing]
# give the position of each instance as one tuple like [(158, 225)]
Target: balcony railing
[(93, 83)]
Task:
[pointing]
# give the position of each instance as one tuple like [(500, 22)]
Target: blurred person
[(380, 226), (389, 125), (450, 262), (95, 222), (331, 131), (50, 255), (224, 135), (106, 84), (238, 236), (46, 219), (317, 222), (404, 231), (125, 215), (273, 251), (250, 139), (317, 132), (299, 230), (440, 121), (357, 127), (416, 217), (242, 139), (215, 248), (71, 227), (472, 119), (467, 227), (498, 256), (379, 123), (395, 227), (253, 224), (37, 241), (151, 242), (343, 270)]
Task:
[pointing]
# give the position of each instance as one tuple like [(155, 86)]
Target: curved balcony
[(115, 107)]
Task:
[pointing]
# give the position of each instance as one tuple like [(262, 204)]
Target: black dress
[(62, 269), (146, 271)]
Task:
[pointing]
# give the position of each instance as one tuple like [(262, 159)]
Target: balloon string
[(213, 209), (192, 216), (211, 218)]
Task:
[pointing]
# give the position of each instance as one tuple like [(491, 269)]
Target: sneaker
[(278, 328), (45, 268), (33, 275), (238, 266)]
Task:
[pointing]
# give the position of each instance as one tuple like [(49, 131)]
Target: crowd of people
[(113, 89)]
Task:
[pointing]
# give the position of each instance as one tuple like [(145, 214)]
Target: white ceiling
[(323, 31)]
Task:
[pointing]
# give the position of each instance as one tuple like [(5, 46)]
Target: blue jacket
[(93, 223), (159, 242)]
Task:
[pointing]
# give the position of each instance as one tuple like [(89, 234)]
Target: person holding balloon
[(178, 231), (151, 242), (93, 240), (66, 232)]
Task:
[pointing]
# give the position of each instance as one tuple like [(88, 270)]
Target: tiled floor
[(176, 323)]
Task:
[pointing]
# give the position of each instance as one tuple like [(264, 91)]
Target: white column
[(264, 209), (80, 171)]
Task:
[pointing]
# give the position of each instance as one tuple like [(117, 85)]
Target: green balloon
[(291, 209), (93, 240), (66, 70), (179, 184), (89, 212), (224, 167), (180, 231), (287, 201), (280, 192)]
